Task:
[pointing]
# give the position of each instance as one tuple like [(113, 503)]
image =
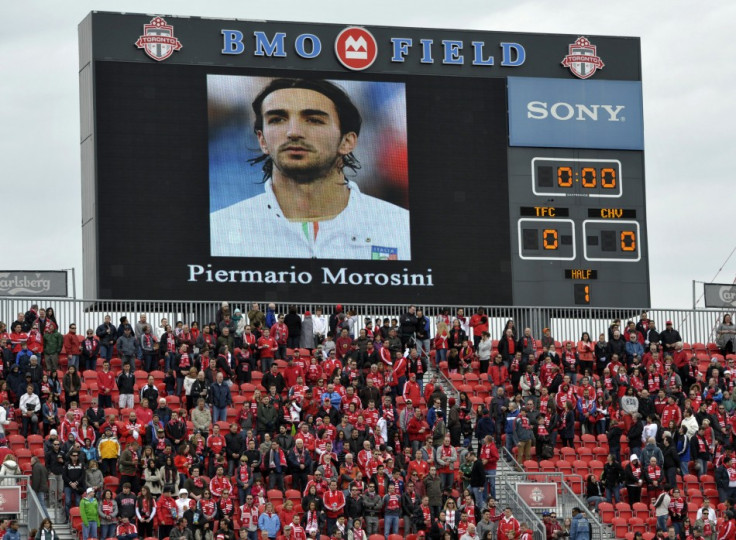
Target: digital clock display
[(576, 177)]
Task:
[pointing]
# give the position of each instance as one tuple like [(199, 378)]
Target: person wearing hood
[(9, 468), (16, 381), (634, 478), (239, 324)]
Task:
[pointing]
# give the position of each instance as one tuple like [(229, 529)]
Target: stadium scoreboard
[(512, 165)]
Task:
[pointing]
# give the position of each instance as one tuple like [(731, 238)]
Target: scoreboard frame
[(526, 100)]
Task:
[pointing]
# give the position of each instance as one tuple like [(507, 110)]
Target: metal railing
[(507, 496), (36, 510), (53, 501), (694, 325), (567, 497)]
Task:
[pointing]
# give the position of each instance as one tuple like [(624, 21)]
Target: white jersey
[(368, 228)]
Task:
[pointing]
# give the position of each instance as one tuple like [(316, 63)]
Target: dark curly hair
[(347, 112)]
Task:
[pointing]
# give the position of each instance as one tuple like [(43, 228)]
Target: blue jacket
[(220, 395), (270, 318), (580, 528), (335, 399), (10, 534), (634, 348), (431, 416), (510, 419), (23, 359), (270, 524), (683, 448)]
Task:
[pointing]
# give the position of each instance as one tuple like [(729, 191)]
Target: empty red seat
[(623, 510), (607, 512), (620, 527)]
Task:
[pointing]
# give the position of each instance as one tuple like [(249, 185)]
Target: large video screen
[(355, 189)]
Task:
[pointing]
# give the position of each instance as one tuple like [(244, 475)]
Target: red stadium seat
[(595, 467), (547, 466), (568, 454), (585, 454), (623, 510), (620, 527), (16, 441), (76, 518), (607, 512), (637, 525), (640, 510), (589, 441)]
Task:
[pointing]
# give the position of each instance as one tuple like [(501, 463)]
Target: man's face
[(301, 133)]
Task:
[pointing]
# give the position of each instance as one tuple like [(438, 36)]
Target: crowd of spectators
[(281, 425)]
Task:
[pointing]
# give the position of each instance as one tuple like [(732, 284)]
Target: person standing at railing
[(72, 346), (53, 342), (40, 481)]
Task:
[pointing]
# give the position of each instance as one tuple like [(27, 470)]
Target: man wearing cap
[(89, 515), (669, 338)]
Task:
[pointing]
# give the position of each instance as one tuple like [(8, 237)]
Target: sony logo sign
[(539, 110)]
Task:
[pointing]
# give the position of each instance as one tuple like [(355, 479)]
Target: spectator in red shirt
[(72, 346)]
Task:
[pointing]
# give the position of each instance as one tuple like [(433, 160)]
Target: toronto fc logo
[(582, 58), (158, 39)]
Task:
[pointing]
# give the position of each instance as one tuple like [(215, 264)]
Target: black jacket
[(671, 458), (613, 474), (74, 473), (477, 474), (635, 432), (354, 507), (126, 384), (409, 508)]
